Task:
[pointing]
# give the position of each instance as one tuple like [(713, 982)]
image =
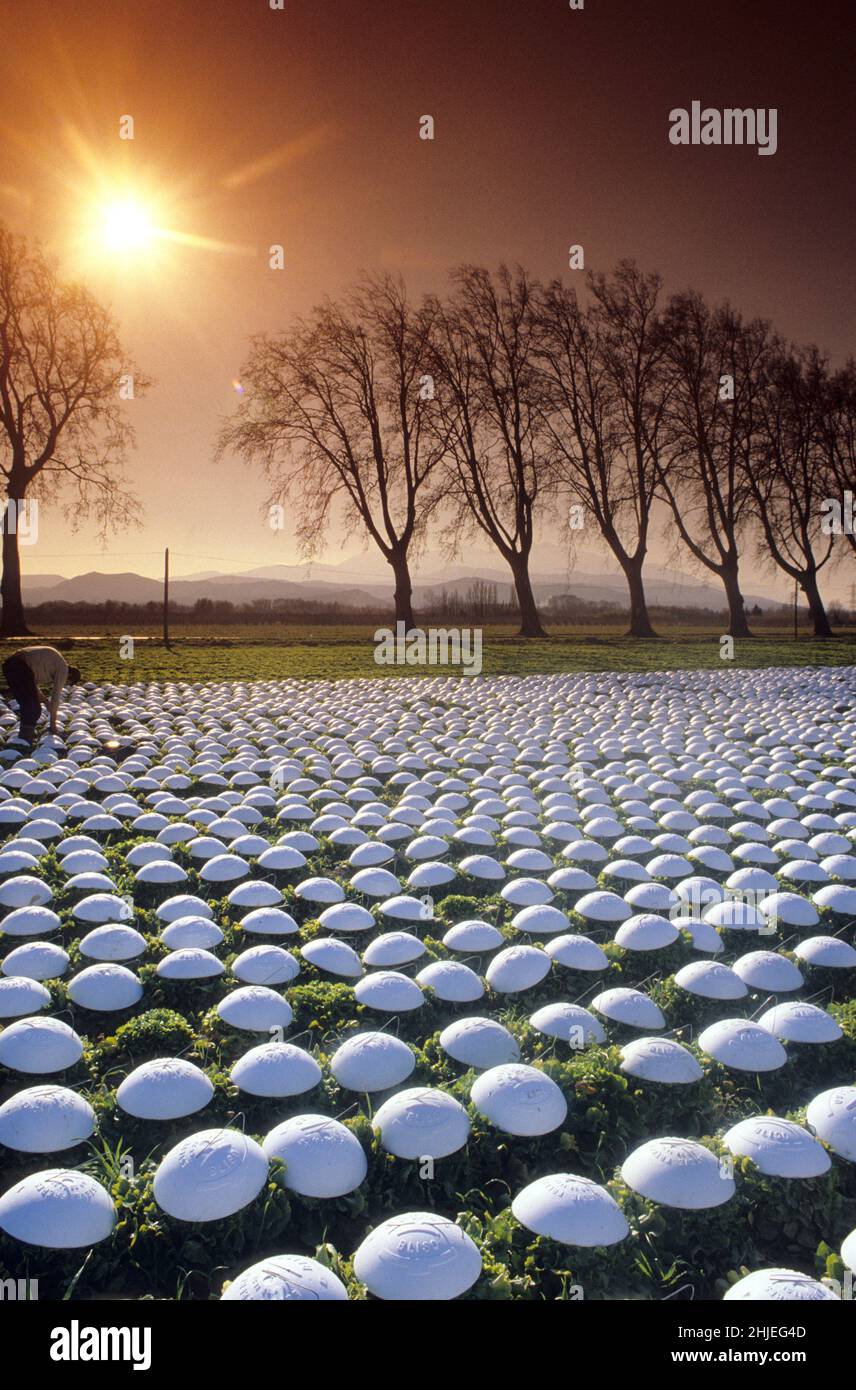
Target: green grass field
[(266, 652)]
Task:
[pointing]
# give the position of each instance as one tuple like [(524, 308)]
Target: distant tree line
[(511, 403), (441, 607)]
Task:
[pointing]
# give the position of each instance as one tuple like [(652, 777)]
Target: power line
[(90, 554)]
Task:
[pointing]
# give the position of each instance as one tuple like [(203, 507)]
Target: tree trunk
[(12, 623), (640, 622), (403, 590), (530, 622), (738, 623), (808, 584)]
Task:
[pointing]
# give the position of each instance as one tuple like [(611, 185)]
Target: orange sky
[(300, 127)]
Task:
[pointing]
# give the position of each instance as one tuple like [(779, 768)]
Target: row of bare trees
[(488, 413), (492, 411)]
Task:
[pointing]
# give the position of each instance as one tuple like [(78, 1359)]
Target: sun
[(134, 231), (126, 225)]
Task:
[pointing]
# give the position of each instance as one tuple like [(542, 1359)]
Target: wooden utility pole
[(166, 640)]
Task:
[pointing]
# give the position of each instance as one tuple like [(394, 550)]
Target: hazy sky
[(301, 127)]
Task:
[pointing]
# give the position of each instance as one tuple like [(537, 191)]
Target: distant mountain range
[(345, 584)]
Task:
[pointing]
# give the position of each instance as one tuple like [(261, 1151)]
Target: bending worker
[(27, 670)]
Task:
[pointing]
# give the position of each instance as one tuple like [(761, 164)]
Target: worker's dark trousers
[(22, 684)]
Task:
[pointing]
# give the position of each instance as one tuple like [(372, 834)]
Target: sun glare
[(126, 225)]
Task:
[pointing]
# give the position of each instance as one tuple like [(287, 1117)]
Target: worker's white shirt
[(49, 667)]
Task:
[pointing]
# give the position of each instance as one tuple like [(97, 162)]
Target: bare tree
[(62, 431), (838, 439), (787, 474), (716, 365), (340, 408), (604, 369), (491, 399)]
